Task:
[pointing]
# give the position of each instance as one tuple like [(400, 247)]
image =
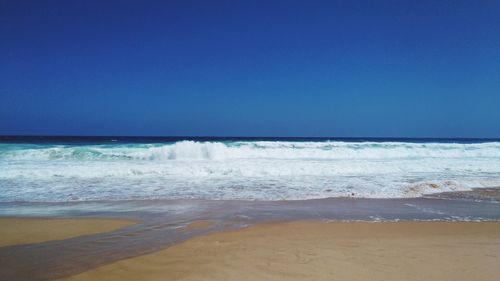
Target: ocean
[(67, 169)]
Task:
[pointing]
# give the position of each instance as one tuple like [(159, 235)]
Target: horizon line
[(237, 137)]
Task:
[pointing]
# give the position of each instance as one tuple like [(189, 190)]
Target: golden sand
[(324, 251), (15, 231)]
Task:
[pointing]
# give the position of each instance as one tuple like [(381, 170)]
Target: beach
[(311, 250), (250, 140), (297, 250), (327, 239)]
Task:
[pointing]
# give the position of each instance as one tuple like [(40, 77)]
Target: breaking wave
[(262, 170), (185, 150)]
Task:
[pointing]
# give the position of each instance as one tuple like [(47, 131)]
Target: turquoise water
[(82, 169)]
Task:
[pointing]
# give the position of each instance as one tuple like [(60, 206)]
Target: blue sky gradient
[(250, 68)]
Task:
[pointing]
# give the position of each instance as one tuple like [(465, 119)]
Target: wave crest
[(191, 150)]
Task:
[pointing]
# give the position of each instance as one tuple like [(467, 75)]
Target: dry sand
[(14, 231), (324, 251)]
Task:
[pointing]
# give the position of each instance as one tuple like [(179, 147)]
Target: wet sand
[(199, 224), (17, 231), (164, 225), (316, 250), (491, 194)]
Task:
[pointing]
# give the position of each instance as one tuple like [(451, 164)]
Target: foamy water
[(261, 170)]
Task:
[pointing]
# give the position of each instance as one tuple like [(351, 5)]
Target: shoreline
[(163, 224), (479, 194)]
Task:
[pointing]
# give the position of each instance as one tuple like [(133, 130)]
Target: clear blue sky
[(250, 68)]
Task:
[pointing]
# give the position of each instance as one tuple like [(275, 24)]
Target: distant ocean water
[(116, 168)]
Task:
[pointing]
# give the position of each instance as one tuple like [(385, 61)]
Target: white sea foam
[(261, 149), (263, 170)]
